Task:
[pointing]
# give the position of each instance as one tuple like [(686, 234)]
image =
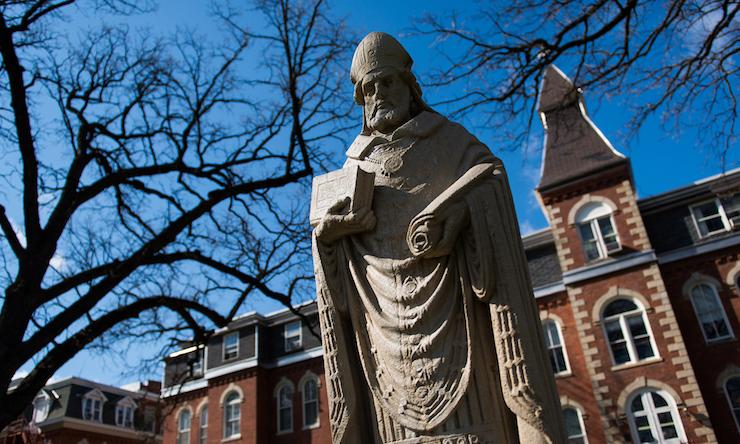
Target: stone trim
[(586, 199), (615, 292), (732, 276), (230, 388)]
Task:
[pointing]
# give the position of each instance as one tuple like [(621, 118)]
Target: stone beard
[(425, 343)]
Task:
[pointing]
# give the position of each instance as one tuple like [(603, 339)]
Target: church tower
[(630, 346)]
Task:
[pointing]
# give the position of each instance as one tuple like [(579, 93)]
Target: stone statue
[(430, 329)]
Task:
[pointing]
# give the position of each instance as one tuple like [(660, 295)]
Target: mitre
[(378, 50)]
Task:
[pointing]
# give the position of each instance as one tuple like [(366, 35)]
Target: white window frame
[(236, 348), (729, 401), (626, 333), (590, 215), (579, 415), (91, 397), (228, 406), (551, 347), (41, 412), (305, 402), (718, 301), (183, 433), (125, 405), (281, 429), (699, 220), (203, 427), (286, 347), (652, 416)]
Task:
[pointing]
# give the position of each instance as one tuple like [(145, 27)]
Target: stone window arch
[(626, 329), (594, 222), (232, 413), (184, 420), (309, 386), (653, 417), (284, 402), (710, 313)]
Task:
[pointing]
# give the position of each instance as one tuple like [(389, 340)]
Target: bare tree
[(153, 176), (677, 58)]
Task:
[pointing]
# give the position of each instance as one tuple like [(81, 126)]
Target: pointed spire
[(556, 90), (574, 146)]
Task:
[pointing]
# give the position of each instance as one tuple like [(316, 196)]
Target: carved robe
[(433, 350)]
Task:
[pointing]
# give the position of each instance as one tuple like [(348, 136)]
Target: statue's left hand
[(441, 232)]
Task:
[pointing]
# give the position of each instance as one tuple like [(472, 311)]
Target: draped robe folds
[(433, 350)]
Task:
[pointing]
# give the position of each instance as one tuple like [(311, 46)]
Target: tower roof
[(574, 146)]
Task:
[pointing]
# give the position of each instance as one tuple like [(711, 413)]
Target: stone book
[(331, 187)]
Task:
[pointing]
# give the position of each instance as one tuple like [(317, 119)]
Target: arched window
[(654, 418), (627, 331), (574, 428), (183, 427), (732, 391), (203, 425), (310, 392), (555, 348), (710, 313), (41, 407), (232, 415), (596, 228), (285, 409)]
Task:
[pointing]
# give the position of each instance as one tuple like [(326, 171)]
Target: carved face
[(387, 100)]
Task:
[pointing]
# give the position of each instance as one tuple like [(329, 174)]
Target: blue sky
[(661, 161)]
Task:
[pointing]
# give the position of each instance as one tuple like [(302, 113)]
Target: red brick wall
[(259, 407), (711, 362), (574, 388)]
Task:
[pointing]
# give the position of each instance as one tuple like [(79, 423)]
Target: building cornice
[(608, 266), (698, 249)]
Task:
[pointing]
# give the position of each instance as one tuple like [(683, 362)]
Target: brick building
[(639, 301), (79, 411)]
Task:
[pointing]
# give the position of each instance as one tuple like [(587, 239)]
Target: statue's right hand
[(335, 225)]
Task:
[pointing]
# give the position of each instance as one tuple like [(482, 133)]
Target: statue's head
[(384, 85)]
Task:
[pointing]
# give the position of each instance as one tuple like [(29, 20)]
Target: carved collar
[(420, 126)]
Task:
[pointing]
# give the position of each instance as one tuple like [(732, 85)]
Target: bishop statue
[(430, 329)]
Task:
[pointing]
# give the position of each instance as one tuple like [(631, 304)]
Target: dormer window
[(293, 339), (92, 405), (231, 345), (716, 216), (125, 412), (596, 228), (41, 407)]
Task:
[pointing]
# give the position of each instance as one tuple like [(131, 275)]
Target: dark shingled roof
[(574, 146)]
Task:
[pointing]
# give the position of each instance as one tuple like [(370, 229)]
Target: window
[(596, 228), (196, 363), (231, 345), (292, 333), (183, 427), (554, 344), (92, 405), (654, 419), (124, 416), (41, 407), (310, 391), (717, 215), (574, 426), (203, 425), (732, 391), (150, 419), (627, 331), (708, 308), (285, 409), (232, 415)]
